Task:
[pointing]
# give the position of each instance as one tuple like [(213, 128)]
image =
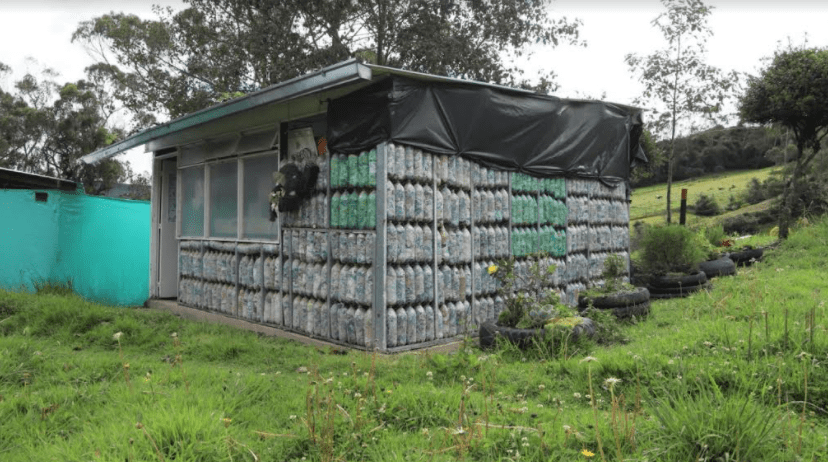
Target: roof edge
[(337, 74)]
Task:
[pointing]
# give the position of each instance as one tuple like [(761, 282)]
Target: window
[(192, 198), (257, 184), (224, 199)]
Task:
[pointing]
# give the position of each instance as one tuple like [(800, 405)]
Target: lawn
[(734, 374), (649, 203)]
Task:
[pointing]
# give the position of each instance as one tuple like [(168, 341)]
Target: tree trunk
[(671, 157)]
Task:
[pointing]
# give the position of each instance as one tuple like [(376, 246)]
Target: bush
[(670, 249), (706, 206)]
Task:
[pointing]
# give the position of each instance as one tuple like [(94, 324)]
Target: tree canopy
[(46, 127), (214, 49), (792, 91), (678, 84)]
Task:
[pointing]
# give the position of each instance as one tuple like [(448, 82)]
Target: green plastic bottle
[(372, 168), (371, 218), (335, 204), (334, 171)]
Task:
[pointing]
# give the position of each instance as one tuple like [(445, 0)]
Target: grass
[(734, 374), (648, 207)]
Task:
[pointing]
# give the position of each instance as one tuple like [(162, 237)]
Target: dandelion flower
[(492, 269), (587, 453), (612, 381), (226, 422), (576, 395), (117, 336)]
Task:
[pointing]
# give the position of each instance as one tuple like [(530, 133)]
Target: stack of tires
[(625, 304), (746, 257), (672, 286)]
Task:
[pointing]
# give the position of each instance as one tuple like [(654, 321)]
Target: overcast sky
[(744, 32)]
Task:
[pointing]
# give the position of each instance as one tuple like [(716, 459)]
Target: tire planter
[(746, 257), (622, 304), (522, 338), (673, 286), (677, 292), (714, 268)]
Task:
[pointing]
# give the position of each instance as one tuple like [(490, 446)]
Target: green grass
[(718, 376), (646, 205)]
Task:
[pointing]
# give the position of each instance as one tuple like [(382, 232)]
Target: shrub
[(715, 235), (706, 206), (531, 300), (670, 249)]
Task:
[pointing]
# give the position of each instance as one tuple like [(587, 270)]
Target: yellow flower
[(226, 422), (492, 269), (587, 453)]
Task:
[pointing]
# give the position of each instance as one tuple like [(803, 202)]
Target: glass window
[(258, 182), (192, 198), (223, 199)]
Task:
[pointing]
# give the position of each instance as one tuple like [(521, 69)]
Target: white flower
[(576, 395), (117, 336), (588, 359)]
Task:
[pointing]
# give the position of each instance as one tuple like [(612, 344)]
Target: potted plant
[(669, 258), (622, 298), (532, 306)]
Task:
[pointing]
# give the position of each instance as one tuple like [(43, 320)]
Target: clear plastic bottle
[(391, 327), (371, 211), (417, 162), (401, 284), (359, 327), (409, 163), (402, 327), (368, 319), (399, 202)]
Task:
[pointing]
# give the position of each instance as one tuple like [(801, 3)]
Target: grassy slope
[(64, 393), (646, 205)]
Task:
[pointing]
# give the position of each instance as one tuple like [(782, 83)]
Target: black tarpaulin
[(516, 131)]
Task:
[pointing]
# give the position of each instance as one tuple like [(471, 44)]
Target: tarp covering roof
[(513, 130)]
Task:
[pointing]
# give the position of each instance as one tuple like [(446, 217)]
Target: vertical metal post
[(436, 235), (473, 244), (329, 236), (509, 236), (380, 260)]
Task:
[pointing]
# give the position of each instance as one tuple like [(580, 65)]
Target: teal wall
[(100, 244)]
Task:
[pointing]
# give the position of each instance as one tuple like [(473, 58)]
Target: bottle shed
[(424, 182)]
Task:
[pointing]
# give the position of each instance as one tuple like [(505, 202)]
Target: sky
[(744, 32)]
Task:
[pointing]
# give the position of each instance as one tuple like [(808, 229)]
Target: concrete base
[(194, 314)]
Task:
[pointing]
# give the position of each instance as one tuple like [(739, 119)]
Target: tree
[(45, 128), (793, 92), (187, 60), (678, 85)]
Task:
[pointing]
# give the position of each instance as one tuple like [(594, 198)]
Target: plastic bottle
[(401, 284), (419, 250), (359, 251), (353, 170), (419, 204), (391, 327), (362, 176), (369, 328), (399, 161), (359, 327), (371, 212), (428, 166), (419, 284), (409, 163), (402, 327), (359, 284), (428, 242), (417, 162), (399, 202), (410, 284)]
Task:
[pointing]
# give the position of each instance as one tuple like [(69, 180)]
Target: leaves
[(187, 60)]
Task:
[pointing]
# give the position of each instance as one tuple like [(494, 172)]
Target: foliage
[(214, 392), (655, 158), (531, 301), (715, 235), (677, 82), (670, 249), (792, 91), (708, 425), (186, 60), (46, 127), (706, 206)]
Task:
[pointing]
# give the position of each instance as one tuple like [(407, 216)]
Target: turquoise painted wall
[(100, 244)]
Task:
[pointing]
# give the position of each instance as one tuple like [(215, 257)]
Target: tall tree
[(792, 91), (678, 85), (186, 60), (46, 127)]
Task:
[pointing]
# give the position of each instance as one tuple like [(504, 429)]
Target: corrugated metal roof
[(15, 179)]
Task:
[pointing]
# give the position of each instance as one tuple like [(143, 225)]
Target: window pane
[(223, 199), (258, 182), (192, 198)]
